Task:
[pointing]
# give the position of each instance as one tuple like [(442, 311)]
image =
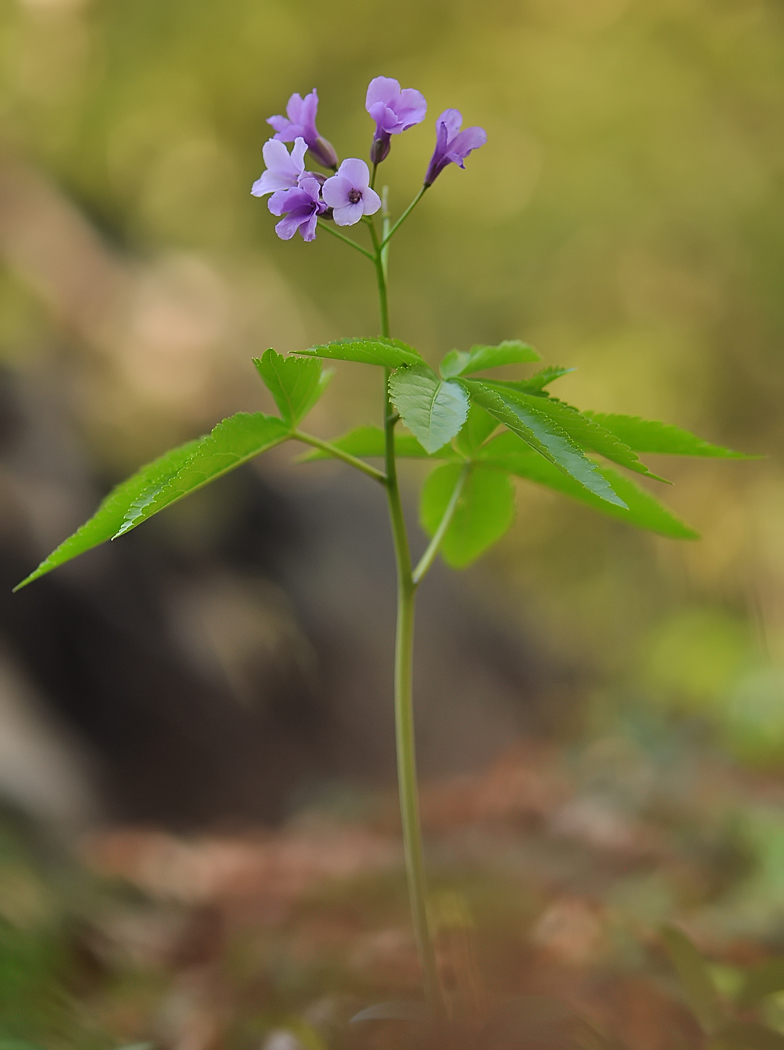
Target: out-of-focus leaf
[(296, 383), (508, 453), (389, 353), (477, 429), (109, 517), (761, 981), (433, 409), (746, 1035), (695, 979), (647, 435), (368, 442), (539, 380), (231, 443), (480, 357), (583, 430), (396, 1010), (543, 435), (484, 512)]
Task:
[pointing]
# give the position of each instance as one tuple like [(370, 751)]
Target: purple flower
[(349, 194), (284, 170), (300, 208), (393, 111), (300, 122), (452, 144)]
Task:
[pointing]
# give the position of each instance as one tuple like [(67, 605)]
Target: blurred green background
[(626, 217)]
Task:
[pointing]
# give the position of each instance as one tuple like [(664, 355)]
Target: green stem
[(338, 453), (346, 240), (429, 556), (403, 217), (404, 705)]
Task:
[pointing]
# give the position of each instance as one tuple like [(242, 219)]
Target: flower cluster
[(303, 197)]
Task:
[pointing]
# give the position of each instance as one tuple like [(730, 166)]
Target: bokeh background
[(227, 667)]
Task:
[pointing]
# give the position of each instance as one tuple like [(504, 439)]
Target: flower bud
[(324, 152), (380, 149)]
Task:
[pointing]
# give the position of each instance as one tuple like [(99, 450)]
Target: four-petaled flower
[(349, 194), (284, 169), (452, 144), (393, 111), (300, 208), (300, 122)]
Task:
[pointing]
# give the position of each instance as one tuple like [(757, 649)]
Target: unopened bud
[(380, 149), (324, 152)]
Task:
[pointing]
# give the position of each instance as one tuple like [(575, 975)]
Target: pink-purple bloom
[(394, 110), (349, 194), (284, 169), (452, 144), (300, 207), (300, 122)]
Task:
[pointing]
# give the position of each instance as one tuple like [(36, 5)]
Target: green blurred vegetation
[(626, 217)]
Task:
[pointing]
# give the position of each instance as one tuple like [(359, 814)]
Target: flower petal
[(371, 201), (381, 89), (356, 171), (335, 190), (470, 139), (349, 214)]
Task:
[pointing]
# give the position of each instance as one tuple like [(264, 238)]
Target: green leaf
[(484, 512), (389, 353), (543, 435), (296, 383), (368, 442), (433, 409), (646, 435), (480, 357), (477, 429), (539, 380), (763, 980), (231, 443), (508, 453), (746, 1035), (582, 429), (397, 1010), (112, 510), (695, 978)]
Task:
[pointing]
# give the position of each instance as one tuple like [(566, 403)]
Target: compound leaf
[(542, 434), (480, 357), (296, 383), (695, 978), (484, 512), (647, 435), (112, 510), (507, 452), (433, 409), (389, 353), (231, 443), (478, 428), (368, 442)]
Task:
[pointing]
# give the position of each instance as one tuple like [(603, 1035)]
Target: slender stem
[(429, 556), (346, 240), (384, 250), (338, 453), (403, 217), (373, 177), (404, 707)]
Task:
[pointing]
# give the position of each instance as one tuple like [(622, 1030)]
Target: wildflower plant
[(480, 433)]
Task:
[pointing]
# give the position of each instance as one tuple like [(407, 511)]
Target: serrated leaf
[(389, 353), (433, 409), (647, 435), (746, 1035), (112, 510), (763, 980), (231, 443), (368, 442), (582, 429), (296, 383), (477, 429), (539, 380), (543, 435), (480, 357), (695, 978), (396, 1010), (484, 512), (508, 453)]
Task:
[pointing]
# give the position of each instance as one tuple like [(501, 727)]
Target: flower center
[(354, 196)]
